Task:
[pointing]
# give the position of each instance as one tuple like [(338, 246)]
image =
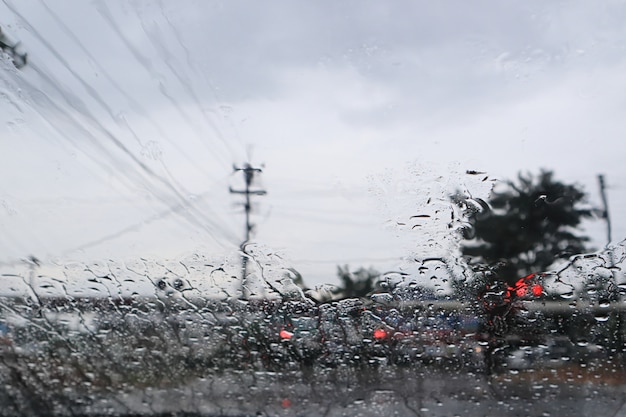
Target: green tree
[(356, 284), (531, 224)]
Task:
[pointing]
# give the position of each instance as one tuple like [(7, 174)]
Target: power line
[(348, 260), (136, 226), (76, 104), (134, 104)]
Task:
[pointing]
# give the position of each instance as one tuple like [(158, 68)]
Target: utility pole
[(249, 173), (619, 331), (605, 213)]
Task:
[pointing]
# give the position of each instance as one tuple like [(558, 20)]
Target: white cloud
[(329, 94)]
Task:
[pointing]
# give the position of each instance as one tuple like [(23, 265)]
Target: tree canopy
[(359, 283), (532, 223)]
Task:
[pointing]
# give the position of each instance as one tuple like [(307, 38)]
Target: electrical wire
[(191, 214)]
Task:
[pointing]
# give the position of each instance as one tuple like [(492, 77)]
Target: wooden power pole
[(249, 173), (605, 212)]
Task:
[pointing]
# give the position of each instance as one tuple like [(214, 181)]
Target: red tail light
[(380, 334), (284, 334)]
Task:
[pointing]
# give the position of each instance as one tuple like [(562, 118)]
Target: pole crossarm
[(254, 192)]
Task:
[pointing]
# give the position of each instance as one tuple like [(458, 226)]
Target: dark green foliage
[(532, 224), (356, 284)]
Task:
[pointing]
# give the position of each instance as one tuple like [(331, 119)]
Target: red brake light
[(284, 334), (380, 334)]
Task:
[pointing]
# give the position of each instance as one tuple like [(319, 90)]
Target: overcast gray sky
[(118, 138)]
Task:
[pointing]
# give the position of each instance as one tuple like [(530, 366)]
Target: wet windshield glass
[(337, 208)]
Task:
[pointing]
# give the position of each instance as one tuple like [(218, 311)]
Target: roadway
[(388, 391)]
